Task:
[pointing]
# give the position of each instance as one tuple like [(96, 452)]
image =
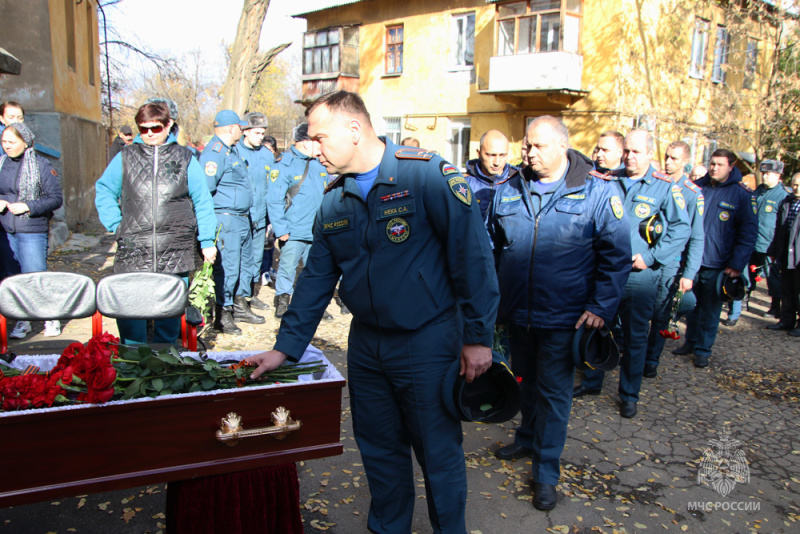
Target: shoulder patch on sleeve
[(691, 185), (413, 153), (616, 207), (334, 183), (460, 188), (447, 168), (745, 187), (598, 174), (217, 147), (662, 176), (677, 194)]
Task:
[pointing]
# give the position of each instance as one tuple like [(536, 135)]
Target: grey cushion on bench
[(142, 296), (47, 296)]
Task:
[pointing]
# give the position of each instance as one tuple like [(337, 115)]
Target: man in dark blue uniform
[(490, 168), (226, 173), (785, 251), (647, 193), (684, 267), (554, 213), (608, 152), (401, 228), (769, 196), (259, 162), (731, 227), (294, 196)]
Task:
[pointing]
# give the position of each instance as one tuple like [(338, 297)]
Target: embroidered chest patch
[(397, 230)]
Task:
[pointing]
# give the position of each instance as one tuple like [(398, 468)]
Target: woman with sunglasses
[(29, 194), (154, 197)]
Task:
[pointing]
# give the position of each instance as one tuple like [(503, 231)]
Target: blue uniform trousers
[(703, 323), (662, 312), (291, 254), (134, 331), (230, 274), (635, 312), (256, 255), (543, 358), (395, 381)]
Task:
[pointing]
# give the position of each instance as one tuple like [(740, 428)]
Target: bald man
[(490, 168)]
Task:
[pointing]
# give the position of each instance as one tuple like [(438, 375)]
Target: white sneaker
[(21, 329), (52, 328)]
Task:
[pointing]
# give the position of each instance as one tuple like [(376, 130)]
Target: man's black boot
[(255, 302), (281, 304), (243, 313), (342, 308), (223, 321), (775, 309)]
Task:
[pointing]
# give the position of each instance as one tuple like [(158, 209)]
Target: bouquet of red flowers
[(672, 330)]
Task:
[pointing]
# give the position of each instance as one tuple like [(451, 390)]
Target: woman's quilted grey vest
[(158, 231)]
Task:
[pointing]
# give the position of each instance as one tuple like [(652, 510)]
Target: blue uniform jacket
[(655, 193), (572, 256), (767, 203), (483, 186), (409, 254), (226, 175), (108, 190), (298, 220), (730, 222), (695, 204), (259, 162)]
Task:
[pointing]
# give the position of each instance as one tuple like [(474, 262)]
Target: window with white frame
[(458, 142), (699, 48), (462, 40), (750, 63), (538, 26), (391, 129), (721, 49)]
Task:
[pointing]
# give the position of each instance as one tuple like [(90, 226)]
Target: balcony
[(317, 85), (554, 75)]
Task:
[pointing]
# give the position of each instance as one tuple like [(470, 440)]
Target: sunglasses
[(158, 128)]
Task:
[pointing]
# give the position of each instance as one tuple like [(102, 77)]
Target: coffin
[(67, 451)]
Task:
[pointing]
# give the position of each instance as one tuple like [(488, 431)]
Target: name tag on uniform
[(576, 196), (642, 198), (515, 198), (387, 212), (726, 205), (336, 226)]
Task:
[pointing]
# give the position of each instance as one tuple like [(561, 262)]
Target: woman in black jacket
[(29, 194)]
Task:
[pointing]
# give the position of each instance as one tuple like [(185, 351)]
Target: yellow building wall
[(636, 58), (73, 92)]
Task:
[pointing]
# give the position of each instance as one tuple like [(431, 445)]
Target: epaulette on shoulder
[(745, 186), (662, 176), (413, 153), (217, 147), (334, 184), (690, 184), (598, 174)]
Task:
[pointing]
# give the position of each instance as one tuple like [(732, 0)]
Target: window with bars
[(721, 49), (699, 48), (750, 64), (394, 49), (539, 26), (391, 129), (462, 40)]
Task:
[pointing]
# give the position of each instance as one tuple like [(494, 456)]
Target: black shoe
[(650, 371), (775, 309), (627, 409), (243, 313), (781, 326), (701, 362), (794, 333), (512, 452), (281, 304), (582, 391), (730, 322), (223, 321), (683, 350), (544, 496)]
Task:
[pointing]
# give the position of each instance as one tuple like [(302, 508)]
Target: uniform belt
[(234, 214)]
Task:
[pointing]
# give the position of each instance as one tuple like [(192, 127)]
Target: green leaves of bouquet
[(201, 290)]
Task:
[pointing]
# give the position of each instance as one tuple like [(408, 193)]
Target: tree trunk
[(247, 63)]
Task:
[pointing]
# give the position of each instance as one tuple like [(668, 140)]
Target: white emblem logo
[(724, 464)]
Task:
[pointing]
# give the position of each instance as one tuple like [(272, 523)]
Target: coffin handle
[(231, 429)]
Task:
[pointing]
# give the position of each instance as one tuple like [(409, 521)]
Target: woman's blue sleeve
[(107, 191), (203, 204)]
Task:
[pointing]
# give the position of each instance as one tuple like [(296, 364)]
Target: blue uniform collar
[(603, 170), (474, 169), (386, 176), (735, 177), (243, 146)]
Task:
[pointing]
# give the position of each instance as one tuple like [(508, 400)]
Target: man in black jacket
[(785, 249), (124, 137)]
